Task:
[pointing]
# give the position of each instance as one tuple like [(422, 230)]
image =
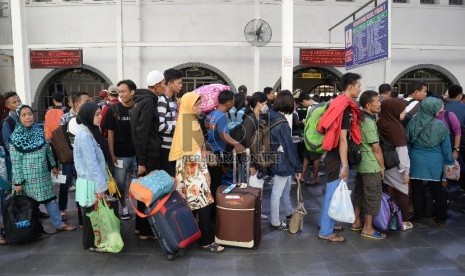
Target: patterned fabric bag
[(209, 96), (149, 188)]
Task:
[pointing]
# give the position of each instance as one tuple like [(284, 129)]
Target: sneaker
[(72, 189), (264, 217), (282, 226), (321, 173), (125, 214)]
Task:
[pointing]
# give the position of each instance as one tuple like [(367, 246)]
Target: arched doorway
[(85, 79), (196, 74), (315, 80), (436, 77)]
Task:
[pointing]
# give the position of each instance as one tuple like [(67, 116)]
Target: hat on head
[(103, 94), (242, 89), (113, 90), (154, 77)]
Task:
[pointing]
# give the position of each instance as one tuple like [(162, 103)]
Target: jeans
[(327, 223), (280, 193), (54, 213), (129, 170), (67, 170)]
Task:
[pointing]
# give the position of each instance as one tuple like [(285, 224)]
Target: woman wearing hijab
[(392, 131), (429, 150), (89, 160), (32, 160), (192, 176)]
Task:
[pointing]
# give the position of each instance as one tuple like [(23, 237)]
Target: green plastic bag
[(106, 227)]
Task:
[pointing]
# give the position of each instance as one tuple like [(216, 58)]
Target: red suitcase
[(238, 215)]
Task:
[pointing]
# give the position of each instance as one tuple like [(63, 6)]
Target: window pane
[(431, 2), (456, 2)]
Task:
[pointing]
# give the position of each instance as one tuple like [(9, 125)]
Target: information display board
[(367, 38), (56, 58), (322, 57)]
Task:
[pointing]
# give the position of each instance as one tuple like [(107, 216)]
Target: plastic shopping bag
[(106, 227), (340, 207)]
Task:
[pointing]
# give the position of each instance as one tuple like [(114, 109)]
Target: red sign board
[(322, 57), (56, 58)]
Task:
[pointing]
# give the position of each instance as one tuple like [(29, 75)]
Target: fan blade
[(251, 33), (259, 30)]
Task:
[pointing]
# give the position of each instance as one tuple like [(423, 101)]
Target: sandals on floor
[(3, 241), (356, 229), (375, 236), (338, 228), (213, 248), (335, 238), (66, 227)]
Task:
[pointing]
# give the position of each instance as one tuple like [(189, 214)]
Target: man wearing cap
[(103, 95), (146, 136), (113, 99)]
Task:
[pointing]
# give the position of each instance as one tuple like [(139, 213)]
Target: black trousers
[(429, 199), (206, 226), (142, 224), (167, 166), (87, 230)]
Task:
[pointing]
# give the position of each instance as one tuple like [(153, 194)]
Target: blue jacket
[(7, 131), (89, 160), (458, 108), (288, 161)]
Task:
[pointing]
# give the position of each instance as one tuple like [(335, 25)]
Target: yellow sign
[(311, 75)]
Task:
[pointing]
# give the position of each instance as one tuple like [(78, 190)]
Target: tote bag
[(340, 207)]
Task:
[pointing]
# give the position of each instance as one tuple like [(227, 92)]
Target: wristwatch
[(457, 149)]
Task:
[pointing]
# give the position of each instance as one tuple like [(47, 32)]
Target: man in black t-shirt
[(337, 164), (120, 142)]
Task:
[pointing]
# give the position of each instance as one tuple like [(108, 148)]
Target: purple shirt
[(454, 126)]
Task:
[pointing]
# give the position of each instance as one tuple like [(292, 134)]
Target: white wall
[(189, 22)]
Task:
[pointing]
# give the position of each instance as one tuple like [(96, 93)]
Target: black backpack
[(20, 219)]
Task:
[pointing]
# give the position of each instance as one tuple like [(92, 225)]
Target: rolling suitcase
[(238, 213), (174, 223)]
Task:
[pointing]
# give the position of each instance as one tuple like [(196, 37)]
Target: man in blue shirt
[(458, 108), (218, 134)]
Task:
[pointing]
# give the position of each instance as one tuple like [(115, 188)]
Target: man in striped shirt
[(167, 113)]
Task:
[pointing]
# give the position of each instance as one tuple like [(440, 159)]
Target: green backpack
[(312, 138)]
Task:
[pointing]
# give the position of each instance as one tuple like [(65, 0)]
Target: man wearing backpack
[(340, 120), (120, 143), (415, 95), (218, 134), (53, 115)]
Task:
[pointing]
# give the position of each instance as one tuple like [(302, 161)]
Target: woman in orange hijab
[(192, 176)]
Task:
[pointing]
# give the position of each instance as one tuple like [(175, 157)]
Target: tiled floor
[(425, 250)]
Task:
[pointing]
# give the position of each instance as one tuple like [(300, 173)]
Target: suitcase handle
[(154, 210)]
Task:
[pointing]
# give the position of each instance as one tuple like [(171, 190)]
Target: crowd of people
[(132, 132)]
